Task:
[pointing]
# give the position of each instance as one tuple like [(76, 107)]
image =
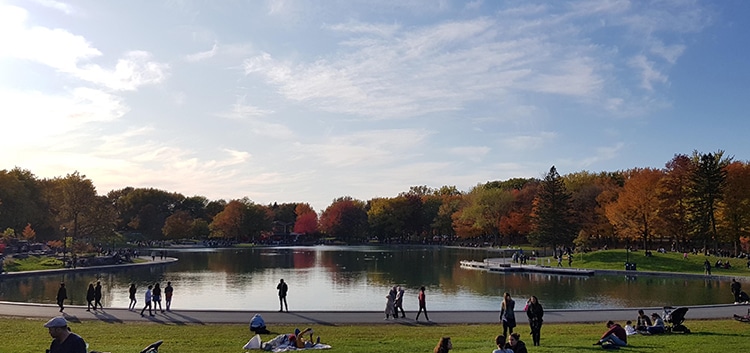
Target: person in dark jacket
[(615, 335), (90, 297), (507, 315), (62, 294), (535, 313), (515, 343), (98, 295)]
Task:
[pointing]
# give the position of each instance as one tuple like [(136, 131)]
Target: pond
[(357, 278)]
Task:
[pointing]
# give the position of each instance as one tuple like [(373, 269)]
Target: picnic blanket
[(280, 345)]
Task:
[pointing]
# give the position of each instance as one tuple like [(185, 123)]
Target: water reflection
[(358, 278)]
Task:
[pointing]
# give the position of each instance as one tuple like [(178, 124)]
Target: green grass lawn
[(32, 263), (669, 262), (28, 336)]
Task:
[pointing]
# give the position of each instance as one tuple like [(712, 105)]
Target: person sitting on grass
[(500, 342), (615, 335), (515, 343), (643, 321), (658, 326), (629, 329), (444, 345)]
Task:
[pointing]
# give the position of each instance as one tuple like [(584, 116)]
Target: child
[(629, 329)]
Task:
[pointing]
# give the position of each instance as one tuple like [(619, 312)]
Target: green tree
[(674, 194), (707, 189), (552, 216)]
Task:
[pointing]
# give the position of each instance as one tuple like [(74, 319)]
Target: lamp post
[(65, 245)]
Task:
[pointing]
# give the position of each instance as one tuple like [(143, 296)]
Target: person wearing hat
[(64, 341)]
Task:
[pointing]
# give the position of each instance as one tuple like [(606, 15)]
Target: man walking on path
[(98, 295), (62, 294), (283, 288), (148, 299), (399, 304), (168, 290)]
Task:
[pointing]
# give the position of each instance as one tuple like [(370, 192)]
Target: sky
[(307, 101)]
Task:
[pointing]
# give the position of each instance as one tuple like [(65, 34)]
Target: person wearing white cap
[(64, 341)]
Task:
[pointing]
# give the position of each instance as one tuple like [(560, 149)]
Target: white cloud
[(69, 53), (57, 5), (204, 55), (602, 154), (648, 73), (368, 148), (134, 70)]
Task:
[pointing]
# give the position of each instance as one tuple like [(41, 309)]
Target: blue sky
[(307, 101)]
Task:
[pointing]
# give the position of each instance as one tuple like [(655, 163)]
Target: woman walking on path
[(157, 297), (390, 309), (507, 316), (422, 304), (90, 297), (133, 301), (535, 312)]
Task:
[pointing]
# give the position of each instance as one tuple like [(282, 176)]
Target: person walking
[(62, 294), (156, 295), (168, 290), (707, 267), (133, 301), (98, 295), (148, 299), (736, 288), (422, 304), (399, 303), (90, 297), (535, 313), (283, 289), (507, 316), (389, 303)]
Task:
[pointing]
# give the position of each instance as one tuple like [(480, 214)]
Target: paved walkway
[(78, 313), (117, 315)]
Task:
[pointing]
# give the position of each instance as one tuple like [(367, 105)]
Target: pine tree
[(552, 214)]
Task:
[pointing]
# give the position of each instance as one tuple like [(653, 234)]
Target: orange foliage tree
[(635, 213)]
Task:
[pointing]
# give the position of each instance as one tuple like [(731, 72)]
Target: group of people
[(513, 345), (534, 313), (153, 295), (395, 302), (93, 296)]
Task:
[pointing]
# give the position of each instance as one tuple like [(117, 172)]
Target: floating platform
[(492, 265)]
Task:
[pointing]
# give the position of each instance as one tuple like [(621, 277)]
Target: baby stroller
[(673, 319)]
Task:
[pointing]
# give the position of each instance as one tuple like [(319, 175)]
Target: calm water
[(358, 278)]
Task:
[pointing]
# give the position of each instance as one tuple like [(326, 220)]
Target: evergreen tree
[(708, 181), (552, 214)]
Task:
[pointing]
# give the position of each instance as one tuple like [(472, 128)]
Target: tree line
[(699, 201)]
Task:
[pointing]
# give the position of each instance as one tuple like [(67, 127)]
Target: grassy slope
[(669, 262), (28, 335)]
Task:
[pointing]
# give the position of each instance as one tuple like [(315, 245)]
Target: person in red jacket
[(615, 335)]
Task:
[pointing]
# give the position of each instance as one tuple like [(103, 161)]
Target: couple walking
[(394, 302)]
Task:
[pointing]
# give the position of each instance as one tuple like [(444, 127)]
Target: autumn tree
[(229, 223), (307, 219), (552, 216), (635, 213), (707, 189), (28, 232), (178, 225), (345, 219)]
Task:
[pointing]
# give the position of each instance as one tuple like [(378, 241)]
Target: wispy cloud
[(204, 55), (70, 54)]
